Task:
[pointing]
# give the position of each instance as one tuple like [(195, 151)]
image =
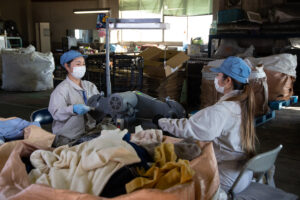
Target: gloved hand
[(81, 109), (93, 100), (156, 118)]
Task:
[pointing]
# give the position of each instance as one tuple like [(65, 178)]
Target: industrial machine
[(131, 108)]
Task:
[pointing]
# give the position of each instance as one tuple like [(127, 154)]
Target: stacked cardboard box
[(172, 85), (164, 74)]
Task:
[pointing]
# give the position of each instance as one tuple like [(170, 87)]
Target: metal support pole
[(107, 67)]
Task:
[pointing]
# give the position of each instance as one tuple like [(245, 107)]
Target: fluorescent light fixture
[(139, 26), (91, 11)]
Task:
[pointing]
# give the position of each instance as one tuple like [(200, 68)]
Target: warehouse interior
[(150, 73)]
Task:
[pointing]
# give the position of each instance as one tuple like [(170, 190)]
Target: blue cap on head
[(234, 67), (70, 55)]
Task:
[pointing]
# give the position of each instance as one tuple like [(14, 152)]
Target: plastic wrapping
[(284, 63), (27, 70), (230, 47), (281, 74)]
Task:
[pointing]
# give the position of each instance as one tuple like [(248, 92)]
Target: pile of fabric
[(13, 128), (112, 164)]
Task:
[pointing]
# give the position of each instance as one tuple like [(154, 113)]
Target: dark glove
[(93, 100), (156, 118)]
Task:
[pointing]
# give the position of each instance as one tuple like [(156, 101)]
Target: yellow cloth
[(84, 168), (165, 173)]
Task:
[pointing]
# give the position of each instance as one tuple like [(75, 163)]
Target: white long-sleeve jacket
[(66, 122), (220, 124)]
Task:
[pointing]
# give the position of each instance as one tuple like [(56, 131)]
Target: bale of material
[(280, 85), (209, 95), (257, 80), (172, 85)]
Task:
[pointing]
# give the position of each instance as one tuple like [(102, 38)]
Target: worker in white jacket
[(68, 101), (229, 124)]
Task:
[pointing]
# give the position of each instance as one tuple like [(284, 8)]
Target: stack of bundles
[(281, 74), (209, 95), (172, 85), (150, 85), (257, 81), (27, 70)]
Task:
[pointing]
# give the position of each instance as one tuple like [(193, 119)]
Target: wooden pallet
[(264, 118), (277, 105)]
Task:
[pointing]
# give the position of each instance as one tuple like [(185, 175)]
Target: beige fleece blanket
[(84, 168)]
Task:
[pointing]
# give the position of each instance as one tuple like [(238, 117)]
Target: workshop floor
[(285, 130)]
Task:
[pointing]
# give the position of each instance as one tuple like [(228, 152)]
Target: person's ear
[(228, 82), (68, 67)]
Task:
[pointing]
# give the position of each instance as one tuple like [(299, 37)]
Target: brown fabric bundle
[(209, 95), (258, 83), (280, 85), (14, 181), (172, 85), (261, 97)]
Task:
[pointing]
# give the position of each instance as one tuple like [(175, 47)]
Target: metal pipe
[(107, 67)]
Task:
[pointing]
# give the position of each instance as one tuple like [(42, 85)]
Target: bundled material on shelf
[(27, 70), (281, 74), (162, 63), (257, 80), (172, 85), (150, 85), (209, 95)]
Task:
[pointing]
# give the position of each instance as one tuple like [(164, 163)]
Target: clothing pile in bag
[(109, 165), (12, 128)]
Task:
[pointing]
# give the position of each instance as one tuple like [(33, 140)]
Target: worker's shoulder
[(62, 87), (87, 83), (232, 106)]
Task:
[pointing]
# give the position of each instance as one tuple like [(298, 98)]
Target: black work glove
[(156, 118), (93, 100)]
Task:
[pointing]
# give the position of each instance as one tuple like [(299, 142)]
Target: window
[(140, 35), (198, 26), (178, 29), (182, 29)]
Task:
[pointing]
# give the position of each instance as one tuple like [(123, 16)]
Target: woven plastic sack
[(209, 95), (281, 74), (257, 80), (27, 70)]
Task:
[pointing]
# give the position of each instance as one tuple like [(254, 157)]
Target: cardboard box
[(154, 61)]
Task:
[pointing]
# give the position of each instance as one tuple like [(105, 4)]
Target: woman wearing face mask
[(68, 101), (229, 124)]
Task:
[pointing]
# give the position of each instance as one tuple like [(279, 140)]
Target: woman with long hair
[(229, 124)]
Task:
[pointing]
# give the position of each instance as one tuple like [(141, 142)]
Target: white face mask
[(218, 88), (78, 72)]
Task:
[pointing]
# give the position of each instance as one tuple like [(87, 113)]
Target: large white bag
[(281, 74), (27, 70)]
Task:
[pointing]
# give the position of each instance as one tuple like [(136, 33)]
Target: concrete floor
[(285, 130)]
